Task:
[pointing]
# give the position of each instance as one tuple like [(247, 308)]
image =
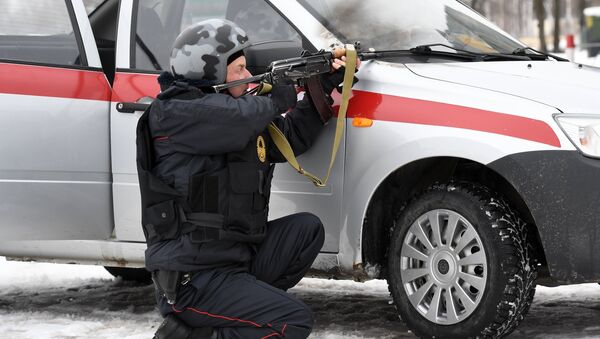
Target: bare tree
[(556, 15), (581, 5), (540, 13)]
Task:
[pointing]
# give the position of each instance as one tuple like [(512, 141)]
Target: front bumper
[(562, 191)]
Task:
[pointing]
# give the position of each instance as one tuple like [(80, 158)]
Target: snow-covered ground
[(41, 301), (581, 57)]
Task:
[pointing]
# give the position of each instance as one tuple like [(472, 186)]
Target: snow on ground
[(43, 301), (580, 56)]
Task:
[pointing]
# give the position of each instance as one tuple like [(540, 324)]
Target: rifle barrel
[(256, 78)]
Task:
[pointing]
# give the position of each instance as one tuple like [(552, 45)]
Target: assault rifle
[(294, 69), (309, 64)]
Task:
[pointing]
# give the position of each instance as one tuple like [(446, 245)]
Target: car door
[(55, 168), (147, 30)]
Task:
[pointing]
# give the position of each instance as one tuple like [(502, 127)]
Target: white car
[(469, 167)]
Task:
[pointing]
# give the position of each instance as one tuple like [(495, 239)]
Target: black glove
[(284, 95), (331, 81)]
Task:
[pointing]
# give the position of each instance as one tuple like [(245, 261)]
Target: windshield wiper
[(426, 51), (539, 56), (475, 56)]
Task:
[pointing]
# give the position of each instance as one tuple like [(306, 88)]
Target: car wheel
[(461, 264), (130, 274)]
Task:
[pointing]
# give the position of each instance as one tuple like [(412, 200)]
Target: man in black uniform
[(205, 168)]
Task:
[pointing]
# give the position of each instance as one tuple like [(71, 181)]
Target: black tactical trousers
[(252, 303)]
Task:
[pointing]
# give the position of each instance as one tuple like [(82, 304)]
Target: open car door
[(147, 29)]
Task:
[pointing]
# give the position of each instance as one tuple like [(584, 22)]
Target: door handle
[(132, 107)]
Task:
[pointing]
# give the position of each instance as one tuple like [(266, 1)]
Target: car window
[(159, 22), (38, 31)]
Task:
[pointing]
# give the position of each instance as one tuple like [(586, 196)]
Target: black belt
[(205, 219), (202, 227)]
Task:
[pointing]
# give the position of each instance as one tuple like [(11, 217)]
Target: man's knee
[(311, 223)]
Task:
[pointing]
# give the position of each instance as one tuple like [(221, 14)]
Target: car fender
[(395, 139)]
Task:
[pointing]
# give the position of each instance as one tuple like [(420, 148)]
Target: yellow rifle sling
[(284, 146)]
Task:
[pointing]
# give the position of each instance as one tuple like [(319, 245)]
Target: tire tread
[(514, 234)]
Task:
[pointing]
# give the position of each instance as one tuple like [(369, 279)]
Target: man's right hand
[(284, 96)]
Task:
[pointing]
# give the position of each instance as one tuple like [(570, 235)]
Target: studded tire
[(475, 277)]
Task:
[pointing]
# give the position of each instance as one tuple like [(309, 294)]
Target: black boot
[(173, 328)]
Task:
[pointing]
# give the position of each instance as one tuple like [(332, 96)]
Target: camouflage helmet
[(201, 50)]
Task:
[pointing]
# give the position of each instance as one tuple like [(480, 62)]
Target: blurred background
[(546, 24)]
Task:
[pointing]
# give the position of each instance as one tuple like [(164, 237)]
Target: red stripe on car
[(53, 82), (130, 87), (399, 109)]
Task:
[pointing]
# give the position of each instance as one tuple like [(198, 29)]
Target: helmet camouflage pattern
[(201, 50)]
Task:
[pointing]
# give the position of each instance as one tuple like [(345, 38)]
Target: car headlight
[(583, 130)]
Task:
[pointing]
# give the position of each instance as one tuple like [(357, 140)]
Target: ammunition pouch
[(167, 221), (162, 221), (247, 197)]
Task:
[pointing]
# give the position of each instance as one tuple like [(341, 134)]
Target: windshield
[(404, 24)]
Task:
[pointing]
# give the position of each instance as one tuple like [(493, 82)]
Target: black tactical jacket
[(195, 134)]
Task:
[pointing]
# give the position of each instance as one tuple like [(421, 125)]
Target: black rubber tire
[(131, 274), (511, 276)]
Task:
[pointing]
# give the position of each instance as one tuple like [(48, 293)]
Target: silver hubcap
[(443, 267)]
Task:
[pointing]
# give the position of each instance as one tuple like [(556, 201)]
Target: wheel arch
[(397, 189)]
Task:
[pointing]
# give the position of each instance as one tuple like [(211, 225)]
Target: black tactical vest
[(227, 204)]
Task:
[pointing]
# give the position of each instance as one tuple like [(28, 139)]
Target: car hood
[(569, 87)]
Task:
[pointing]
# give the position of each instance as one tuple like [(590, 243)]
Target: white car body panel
[(87, 252), (126, 193), (122, 48), (563, 85), (60, 166)]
